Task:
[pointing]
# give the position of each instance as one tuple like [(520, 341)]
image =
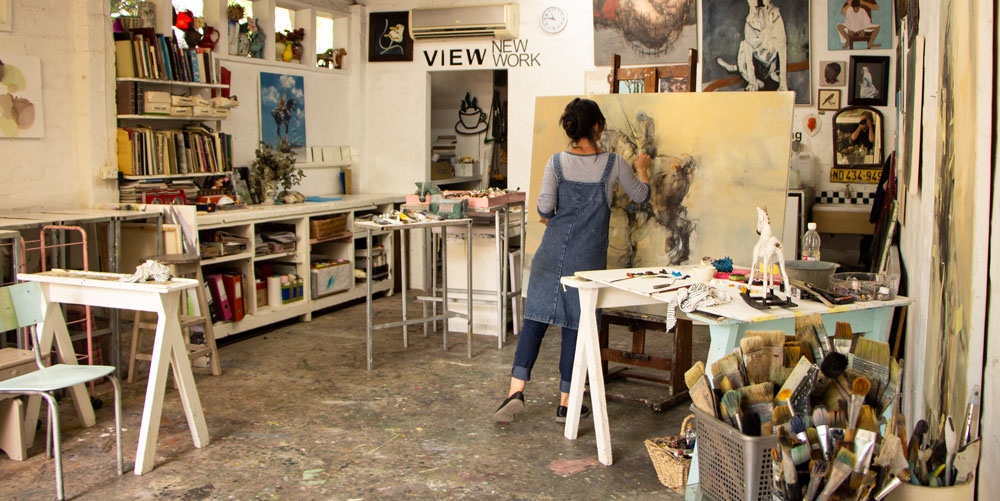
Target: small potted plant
[(271, 170), (238, 35)]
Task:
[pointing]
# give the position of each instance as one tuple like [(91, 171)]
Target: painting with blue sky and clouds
[(283, 111)]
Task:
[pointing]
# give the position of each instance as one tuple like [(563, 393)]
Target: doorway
[(468, 129)]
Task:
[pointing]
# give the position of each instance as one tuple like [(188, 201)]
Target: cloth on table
[(691, 298)]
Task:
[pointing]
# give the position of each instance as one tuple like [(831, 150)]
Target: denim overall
[(576, 239)]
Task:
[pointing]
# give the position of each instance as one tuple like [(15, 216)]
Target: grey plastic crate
[(732, 465)]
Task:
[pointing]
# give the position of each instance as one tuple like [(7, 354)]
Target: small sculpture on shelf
[(256, 36), (271, 170)]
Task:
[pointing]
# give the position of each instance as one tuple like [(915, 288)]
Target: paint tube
[(864, 445)]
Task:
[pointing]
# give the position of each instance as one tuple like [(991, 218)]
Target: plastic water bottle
[(810, 243)]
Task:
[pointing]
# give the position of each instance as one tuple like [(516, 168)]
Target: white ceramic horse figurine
[(768, 246)]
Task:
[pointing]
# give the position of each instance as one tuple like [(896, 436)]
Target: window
[(197, 7), (284, 19), (324, 33)]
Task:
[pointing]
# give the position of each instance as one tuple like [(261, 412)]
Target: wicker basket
[(670, 469)]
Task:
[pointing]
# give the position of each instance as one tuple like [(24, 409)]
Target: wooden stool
[(15, 431), (183, 266), (638, 322)]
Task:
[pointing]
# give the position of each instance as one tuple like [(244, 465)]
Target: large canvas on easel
[(716, 156)]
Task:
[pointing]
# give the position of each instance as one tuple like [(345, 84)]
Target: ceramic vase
[(297, 52), (243, 45), (287, 54), (279, 51), (270, 193), (234, 38)]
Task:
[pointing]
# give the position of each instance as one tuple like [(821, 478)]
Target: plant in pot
[(239, 39), (272, 170), (125, 13)]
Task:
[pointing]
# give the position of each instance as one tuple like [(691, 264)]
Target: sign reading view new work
[(505, 54)]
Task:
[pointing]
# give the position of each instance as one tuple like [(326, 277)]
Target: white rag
[(692, 298)]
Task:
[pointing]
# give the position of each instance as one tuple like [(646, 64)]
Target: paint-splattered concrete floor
[(296, 416)]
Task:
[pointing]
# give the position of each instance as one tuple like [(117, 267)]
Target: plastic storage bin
[(732, 465)]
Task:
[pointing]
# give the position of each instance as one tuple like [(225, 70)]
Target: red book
[(234, 291)]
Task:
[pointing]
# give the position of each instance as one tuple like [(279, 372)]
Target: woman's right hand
[(641, 165)]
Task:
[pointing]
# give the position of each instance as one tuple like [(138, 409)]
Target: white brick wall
[(60, 170)]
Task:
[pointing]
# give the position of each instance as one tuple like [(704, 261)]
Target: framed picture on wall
[(389, 37), (833, 73), (828, 100), (869, 84)]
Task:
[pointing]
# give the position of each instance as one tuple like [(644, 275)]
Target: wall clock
[(553, 19)]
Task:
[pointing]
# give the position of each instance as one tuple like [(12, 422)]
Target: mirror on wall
[(857, 137)]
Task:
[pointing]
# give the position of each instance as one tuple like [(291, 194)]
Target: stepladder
[(183, 266)]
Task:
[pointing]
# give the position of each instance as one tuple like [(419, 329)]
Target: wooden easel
[(638, 322), (651, 75)]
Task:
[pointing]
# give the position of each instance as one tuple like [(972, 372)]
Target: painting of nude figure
[(709, 171)]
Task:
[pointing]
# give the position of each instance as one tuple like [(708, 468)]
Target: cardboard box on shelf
[(156, 96), (201, 111), (442, 170), (332, 278), (181, 101)]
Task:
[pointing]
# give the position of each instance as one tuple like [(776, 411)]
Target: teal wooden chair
[(21, 306)]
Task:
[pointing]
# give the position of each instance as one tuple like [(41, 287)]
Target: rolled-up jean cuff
[(522, 373), (564, 386)]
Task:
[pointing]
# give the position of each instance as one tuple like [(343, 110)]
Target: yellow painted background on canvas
[(739, 146)]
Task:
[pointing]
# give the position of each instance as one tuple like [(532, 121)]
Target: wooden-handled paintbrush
[(858, 391), (843, 464), (699, 388)]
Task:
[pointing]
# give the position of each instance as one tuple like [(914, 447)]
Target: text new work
[(505, 54)]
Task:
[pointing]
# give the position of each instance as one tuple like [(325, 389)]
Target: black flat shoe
[(562, 410), (509, 408)]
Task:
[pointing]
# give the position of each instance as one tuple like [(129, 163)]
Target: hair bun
[(570, 124)]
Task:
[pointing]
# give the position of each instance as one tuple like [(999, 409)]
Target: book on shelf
[(143, 151), (143, 53)]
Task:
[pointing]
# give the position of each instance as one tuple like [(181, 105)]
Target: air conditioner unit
[(497, 21)]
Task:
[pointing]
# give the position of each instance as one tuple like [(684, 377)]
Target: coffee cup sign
[(471, 119)]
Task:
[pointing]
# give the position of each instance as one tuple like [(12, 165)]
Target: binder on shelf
[(222, 305), (234, 291), (210, 300)]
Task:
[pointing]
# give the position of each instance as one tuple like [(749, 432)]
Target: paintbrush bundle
[(826, 413), (944, 457)]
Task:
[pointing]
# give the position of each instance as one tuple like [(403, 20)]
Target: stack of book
[(157, 191), (143, 151), (143, 53)]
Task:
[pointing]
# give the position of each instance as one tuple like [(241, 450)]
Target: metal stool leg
[(118, 422)]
